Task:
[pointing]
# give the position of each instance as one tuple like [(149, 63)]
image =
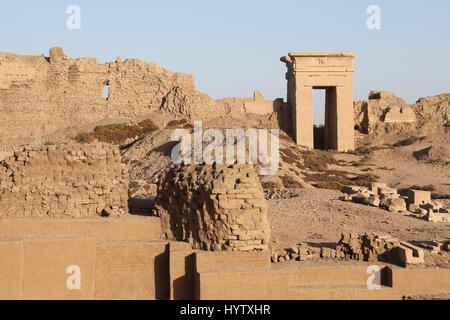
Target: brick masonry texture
[(214, 207), (64, 181), (40, 95), (366, 247)]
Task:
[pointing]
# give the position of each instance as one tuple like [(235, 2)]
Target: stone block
[(419, 196), (394, 204), (373, 201), (387, 191), (375, 186), (409, 254), (352, 189), (438, 217)]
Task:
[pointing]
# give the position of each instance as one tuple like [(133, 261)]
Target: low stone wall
[(215, 207), (366, 247), (64, 181), (123, 258), (374, 247), (362, 247)]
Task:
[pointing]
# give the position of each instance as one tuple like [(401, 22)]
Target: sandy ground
[(410, 171), (317, 216), (399, 169)]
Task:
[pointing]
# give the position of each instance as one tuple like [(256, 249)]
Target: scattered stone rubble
[(64, 181), (304, 252), (373, 247), (366, 247), (434, 246), (361, 247), (271, 194), (379, 195), (218, 207)]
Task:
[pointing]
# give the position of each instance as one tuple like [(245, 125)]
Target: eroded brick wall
[(40, 95), (215, 207), (366, 247), (64, 181)]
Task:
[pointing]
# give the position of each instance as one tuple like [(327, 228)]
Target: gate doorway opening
[(325, 118)]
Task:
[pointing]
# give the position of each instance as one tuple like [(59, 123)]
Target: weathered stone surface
[(379, 195), (64, 180), (215, 207), (386, 113), (334, 72), (419, 197), (375, 247), (409, 254), (40, 95), (395, 204), (383, 107), (438, 217)]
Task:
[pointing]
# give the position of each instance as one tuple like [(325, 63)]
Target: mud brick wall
[(40, 95), (215, 207), (64, 181), (366, 247)]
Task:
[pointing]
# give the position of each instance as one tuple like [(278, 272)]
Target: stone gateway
[(332, 71)]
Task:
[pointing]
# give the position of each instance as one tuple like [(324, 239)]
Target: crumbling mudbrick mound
[(64, 180), (216, 207)]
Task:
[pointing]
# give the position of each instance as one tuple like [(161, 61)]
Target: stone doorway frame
[(332, 71)]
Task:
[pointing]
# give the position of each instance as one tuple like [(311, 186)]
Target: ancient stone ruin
[(332, 71), (64, 181), (40, 95), (373, 247), (385, 113), (214, 208), (370, 247), (208, 235)]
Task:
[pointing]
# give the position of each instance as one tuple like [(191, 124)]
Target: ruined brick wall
[(215, 207), (366, 247), (384, 113), (64, 181), (40, 95)]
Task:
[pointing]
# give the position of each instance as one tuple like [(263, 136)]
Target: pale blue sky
[(233, 47)]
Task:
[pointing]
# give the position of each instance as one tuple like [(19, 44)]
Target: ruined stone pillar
[(345, 118), (304, 116), (332, 71)]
